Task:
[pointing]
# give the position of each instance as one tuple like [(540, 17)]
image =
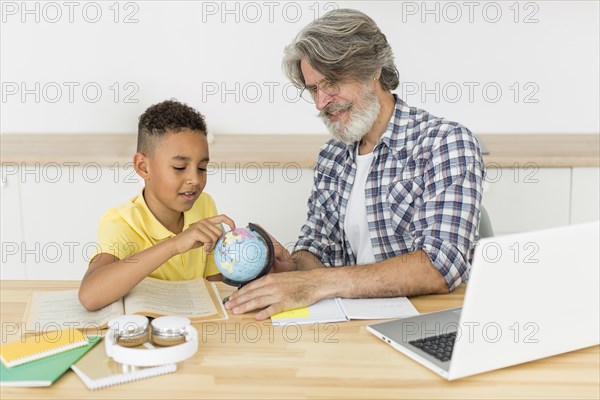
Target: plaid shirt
[(423, 192)]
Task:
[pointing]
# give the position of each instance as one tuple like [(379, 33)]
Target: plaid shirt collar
[(394, 136)]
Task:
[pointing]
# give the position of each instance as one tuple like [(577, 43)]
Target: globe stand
[(268, 264)]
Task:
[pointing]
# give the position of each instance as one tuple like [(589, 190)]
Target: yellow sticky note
[(301, 312)]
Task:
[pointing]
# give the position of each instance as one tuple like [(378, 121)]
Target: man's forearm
[(406, 275), (304, 261)]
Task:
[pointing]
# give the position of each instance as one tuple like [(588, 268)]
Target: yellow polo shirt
[(132, 227)]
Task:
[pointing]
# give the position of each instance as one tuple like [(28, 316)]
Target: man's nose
[(322, 100)]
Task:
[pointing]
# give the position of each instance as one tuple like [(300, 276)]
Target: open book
[(197, 300), (338, 309)]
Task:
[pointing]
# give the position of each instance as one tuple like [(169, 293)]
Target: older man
[(396, 192)]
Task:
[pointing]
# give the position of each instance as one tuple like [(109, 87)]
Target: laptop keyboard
[(439, 347)]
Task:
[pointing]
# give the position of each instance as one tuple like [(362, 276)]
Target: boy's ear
[(140, 164)]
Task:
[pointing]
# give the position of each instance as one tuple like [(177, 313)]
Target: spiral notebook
[(97, 370), (40, 345), (45, 371)]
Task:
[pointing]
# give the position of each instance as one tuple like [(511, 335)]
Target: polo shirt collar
[(152, 225)]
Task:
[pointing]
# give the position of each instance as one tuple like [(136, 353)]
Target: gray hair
[(342, 44)]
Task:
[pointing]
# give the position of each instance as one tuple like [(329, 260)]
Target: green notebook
[(45, 371)]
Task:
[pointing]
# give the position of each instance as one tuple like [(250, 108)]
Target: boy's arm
[(108, 278)]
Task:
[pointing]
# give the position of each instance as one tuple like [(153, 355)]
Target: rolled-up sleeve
[(445, 224)]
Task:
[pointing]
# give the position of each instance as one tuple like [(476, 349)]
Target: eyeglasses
[(311, 93)]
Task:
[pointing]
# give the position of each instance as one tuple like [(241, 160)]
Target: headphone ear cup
[(130, 330), (170, 330)]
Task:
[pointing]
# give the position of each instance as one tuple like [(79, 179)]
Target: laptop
[(530, 295)]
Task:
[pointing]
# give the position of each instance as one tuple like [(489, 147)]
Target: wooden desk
[(242, 358)]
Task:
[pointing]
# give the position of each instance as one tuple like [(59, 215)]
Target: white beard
[(362, 116)]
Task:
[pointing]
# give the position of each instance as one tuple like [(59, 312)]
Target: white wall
[(224, 58)]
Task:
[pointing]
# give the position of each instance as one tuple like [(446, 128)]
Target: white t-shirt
[(356, 226)]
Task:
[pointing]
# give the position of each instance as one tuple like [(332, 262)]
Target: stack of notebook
[(39, 360)]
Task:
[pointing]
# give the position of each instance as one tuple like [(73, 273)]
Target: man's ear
[(377, 74), (141, 165)]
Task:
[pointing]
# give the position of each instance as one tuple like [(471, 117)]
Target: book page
[(155, 297), (50, 311), (379, 308)]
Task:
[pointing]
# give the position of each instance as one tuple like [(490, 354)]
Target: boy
[(160, 232)]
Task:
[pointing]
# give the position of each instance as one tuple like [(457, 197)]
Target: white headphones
[(176, 336)]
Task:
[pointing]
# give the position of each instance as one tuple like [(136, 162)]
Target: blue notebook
[(45, 371)]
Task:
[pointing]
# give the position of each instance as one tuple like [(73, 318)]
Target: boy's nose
[(192, 179)]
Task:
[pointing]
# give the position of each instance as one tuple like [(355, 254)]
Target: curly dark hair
[(169, 116)]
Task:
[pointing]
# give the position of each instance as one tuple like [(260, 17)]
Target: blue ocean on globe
[(240, 255)]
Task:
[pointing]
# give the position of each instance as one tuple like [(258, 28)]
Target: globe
[(243, 255)]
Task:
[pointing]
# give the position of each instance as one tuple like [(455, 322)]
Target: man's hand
[(275, 293), (283, 260), (205, 232)]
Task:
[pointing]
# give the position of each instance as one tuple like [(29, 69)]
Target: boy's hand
[(205, 232)]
